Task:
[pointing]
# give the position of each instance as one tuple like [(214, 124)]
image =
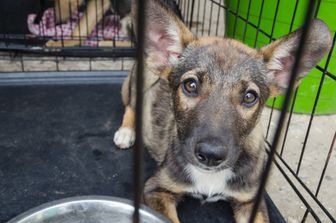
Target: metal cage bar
[(280, 123), (139, 148)]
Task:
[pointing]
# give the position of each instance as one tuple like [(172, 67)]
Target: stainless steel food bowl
[(88, 209)]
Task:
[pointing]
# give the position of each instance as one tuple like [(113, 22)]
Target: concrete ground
[(319, 141)]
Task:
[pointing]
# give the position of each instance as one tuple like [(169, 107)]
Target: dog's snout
[(210, 153)]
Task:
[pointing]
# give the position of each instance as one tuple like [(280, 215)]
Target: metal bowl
[(88, 209)]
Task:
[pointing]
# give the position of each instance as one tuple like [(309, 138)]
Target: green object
[(247, 32)]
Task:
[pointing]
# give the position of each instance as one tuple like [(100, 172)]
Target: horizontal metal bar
[(52, 78), (80, 51)]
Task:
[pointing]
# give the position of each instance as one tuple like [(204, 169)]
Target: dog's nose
[(210, 154)]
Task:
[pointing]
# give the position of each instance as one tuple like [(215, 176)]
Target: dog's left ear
[(165, 35), (280, 55)]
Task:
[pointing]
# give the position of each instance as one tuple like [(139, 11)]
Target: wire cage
[(37, 50)]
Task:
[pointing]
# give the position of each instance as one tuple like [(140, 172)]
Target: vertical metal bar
[(87, 26), (294, 14), (225, 18), (218, 16), (198, 12), (322, 175), (103, 20), (24, 36), (43, 7), (299, 53), (203, 19), (326, 165), (288, 121), (139, 148), (274, 19), (79, 26), (317, 8), (236, 19), (270, 118), (96, 22), (22, 63), (90, 63), (60, 15), (114, 28), (55, 13), (57, 63), (314, 108), (247, 18), (187, 14), (70, 17), (191, 13), (210, 18), (259, 22), (296, 90), (185, 17)]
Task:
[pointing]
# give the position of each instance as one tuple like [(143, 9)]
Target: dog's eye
[(190, 87), (250, 98)]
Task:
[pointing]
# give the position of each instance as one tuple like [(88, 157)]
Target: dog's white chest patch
[(210, 184)]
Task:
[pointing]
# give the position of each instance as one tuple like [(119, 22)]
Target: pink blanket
[(108, 29)]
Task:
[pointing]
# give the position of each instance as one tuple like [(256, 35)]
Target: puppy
[(93, 13), (203, 98)]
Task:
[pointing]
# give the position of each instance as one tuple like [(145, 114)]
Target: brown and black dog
[(203, 98)]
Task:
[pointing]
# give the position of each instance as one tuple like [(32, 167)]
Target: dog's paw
[(53, 43), (124, 137), (64, 43)]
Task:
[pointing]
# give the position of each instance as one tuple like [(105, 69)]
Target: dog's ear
[(165, 36), (280, 55)]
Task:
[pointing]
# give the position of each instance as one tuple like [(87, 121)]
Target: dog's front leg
[(125, 136), (159, 196), (242, 212)]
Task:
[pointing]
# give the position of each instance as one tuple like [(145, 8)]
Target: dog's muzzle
[(210, 153)]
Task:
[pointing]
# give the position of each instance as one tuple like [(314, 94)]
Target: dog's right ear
[(280, 55), (165, 36)]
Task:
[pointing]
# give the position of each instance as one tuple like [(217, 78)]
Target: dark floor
[(56, 142)]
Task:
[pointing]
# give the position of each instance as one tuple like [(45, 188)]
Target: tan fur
[(243, 211), (129, 118), (64, 9), (94, 12), (168, 183), (163, 202)]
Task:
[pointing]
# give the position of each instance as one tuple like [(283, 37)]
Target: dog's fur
[(93, 13), (175, 122), (94, 10)]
